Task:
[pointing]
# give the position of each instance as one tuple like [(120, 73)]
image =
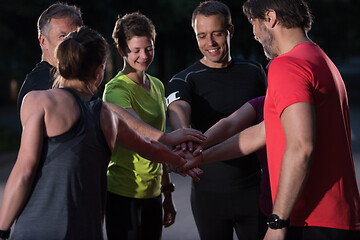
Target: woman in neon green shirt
[(134, 204)]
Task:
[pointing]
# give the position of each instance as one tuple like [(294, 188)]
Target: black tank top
[(68, 195)]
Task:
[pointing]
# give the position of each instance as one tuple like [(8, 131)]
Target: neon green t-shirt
[(129, 174)]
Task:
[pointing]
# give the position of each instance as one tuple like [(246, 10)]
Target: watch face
[(274, 222)]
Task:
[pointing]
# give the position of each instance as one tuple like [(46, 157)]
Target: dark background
[(335, 29)]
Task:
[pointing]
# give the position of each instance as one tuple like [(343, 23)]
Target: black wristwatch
[(4, 234), (168, 188), (274, 222)]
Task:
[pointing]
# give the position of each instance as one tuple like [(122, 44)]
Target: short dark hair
[(210, 8), (130, 25), (58, 10), (290, 13), (81, 52)]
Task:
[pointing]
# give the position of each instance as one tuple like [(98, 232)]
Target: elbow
[(24, 174), (228, 128), (21, 180), (305, 152), (25, 179), (308, 147), (309, 153)]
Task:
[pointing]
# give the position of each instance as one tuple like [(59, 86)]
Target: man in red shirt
[(307, 130)]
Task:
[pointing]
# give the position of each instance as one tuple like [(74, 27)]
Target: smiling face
[(140, 53), (213, 39), (264, 36), (57, 30)]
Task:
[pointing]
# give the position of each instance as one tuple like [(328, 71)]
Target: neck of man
[(46, 58), (289, 38), (221, 64)]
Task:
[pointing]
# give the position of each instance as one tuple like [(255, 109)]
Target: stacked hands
[(189, 151)]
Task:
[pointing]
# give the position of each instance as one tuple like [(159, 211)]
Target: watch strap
[(5, 234), (274, 222), (169, 187)]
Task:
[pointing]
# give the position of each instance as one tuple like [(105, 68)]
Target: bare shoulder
[(34, 96), (42, 98), (56, 108), (33, 102), (50, 99)]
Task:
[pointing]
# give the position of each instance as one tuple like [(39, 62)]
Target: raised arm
[(179, 113), (298, 122), (21, 178), (242, 118), (241, 144), (134, 121), (171, 139), (116, 130)]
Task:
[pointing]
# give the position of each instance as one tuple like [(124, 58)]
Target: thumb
[(197, 151)]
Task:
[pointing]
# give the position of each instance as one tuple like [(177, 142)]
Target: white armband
[(172, 97)]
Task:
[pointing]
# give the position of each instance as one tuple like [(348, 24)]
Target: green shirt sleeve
[(118, 94)]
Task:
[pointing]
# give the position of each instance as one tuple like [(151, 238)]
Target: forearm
[(166, 139), (177, 122), (165, 177), (158, 152), (130, 117), (221, 131), (136, 123), (165, 183), (145, 147), (226, 150), (217, 133), (167, 188), (15, 195), (179, 113), (239, 145), (146, 130), (298, 122), (294, 172), (242, 118)]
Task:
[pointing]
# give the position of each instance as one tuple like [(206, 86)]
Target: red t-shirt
[(330, 197)]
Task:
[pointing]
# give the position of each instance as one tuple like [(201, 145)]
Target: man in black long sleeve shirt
[(53, 25)]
